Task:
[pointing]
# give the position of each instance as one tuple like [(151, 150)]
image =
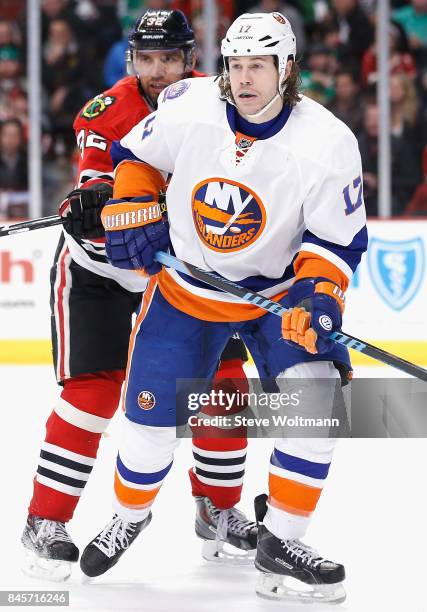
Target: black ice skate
[(106, 549), (291, 570), (229, 537), (49, 550)]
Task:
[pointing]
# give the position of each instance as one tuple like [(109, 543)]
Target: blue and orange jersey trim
[(205, 308)]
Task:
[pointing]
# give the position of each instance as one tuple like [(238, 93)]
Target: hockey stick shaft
[(28, 226), (256, 299)]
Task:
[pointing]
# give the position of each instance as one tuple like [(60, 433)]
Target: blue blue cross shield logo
[(396, 269)]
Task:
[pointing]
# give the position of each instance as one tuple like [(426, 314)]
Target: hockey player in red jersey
[(90, 350)]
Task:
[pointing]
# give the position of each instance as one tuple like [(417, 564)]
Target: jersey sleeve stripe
[(314, 260), (309, 265), (139, 178), (349, 254)]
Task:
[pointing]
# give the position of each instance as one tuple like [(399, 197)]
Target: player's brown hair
[(291, 95)]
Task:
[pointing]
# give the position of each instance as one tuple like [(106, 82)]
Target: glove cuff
[(332, 290), (120, 214), (307, 287)]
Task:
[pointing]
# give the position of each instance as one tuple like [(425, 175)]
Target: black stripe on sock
[(220, 475), (74, 465), (73, 482), (215, 461)]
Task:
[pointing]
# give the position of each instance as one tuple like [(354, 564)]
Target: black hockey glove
[(82, 210)]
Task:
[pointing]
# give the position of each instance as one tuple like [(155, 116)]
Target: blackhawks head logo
[(97, 106)]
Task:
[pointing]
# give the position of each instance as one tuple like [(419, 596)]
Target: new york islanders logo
[(228, 215), (146, 400)]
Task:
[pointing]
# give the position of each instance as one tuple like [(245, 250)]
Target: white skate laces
[(222, 526), (115, 536), (299, 550), (229, 521), (51, 530)]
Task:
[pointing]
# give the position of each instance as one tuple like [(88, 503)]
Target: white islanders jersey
[(247, 216)]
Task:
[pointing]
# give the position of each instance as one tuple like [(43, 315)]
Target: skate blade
[(45, 569), (285, 588), (225, 554), (84, 579)]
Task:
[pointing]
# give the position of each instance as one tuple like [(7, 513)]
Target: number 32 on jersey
[(87, 139)]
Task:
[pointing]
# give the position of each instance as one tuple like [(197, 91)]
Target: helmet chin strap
[(265, 108)]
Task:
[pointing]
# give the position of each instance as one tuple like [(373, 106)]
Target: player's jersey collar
[(261, 131)]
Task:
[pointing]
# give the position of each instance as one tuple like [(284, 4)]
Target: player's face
[(254, 82), (158, 69)]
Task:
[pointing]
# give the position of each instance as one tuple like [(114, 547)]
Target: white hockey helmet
[(260, 34)]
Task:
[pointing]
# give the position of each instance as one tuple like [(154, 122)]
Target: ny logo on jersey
[(357, 194), (228, 215)]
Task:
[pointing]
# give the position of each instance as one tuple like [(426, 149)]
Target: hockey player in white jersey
[(266, 190)]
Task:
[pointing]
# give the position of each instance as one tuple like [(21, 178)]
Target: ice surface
[(371, 517)]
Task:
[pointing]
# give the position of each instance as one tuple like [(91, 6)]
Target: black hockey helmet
[(158, 30)]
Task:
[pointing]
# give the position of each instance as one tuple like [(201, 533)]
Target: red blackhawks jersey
[(105, 118)]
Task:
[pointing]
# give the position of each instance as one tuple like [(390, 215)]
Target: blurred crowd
[(83, 53)]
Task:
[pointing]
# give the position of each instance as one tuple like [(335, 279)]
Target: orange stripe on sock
[(134, 497), (291, 496), (205, 308)]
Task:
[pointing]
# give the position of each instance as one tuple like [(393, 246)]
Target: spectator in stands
[(13, 157), (115, 63), (405, 163), (12, 84), (64, 76), (413, 18), (96, 40), (355, 28), (401, 59), (317, 81), (62, 62), (368, 146), (404, 101), (60, 9), (421, 84), (418, 204), (330, 35), (9, 34), (347, 104), (405, 145)]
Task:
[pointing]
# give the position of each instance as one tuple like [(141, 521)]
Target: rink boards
[(384, 302)]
